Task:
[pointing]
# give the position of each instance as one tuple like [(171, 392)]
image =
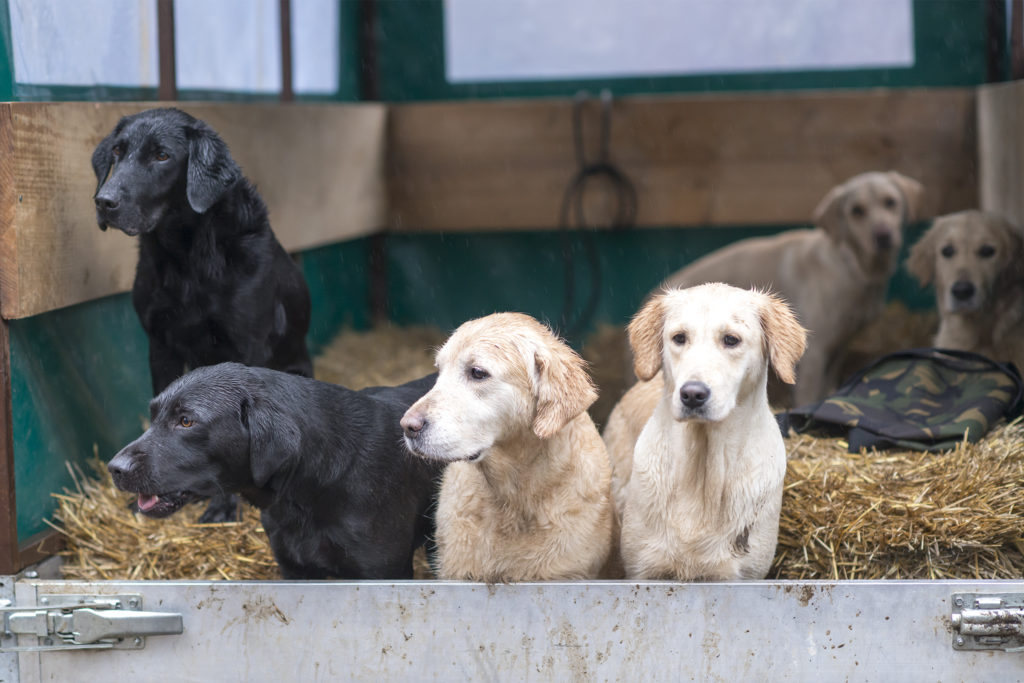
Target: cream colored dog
[(527, 494), (834, 276), (701, 490), (976, 261)]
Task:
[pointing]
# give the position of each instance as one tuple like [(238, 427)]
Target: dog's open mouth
[(164, 504)]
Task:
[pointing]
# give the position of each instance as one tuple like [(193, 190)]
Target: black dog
[(340, 496), (212, 284)]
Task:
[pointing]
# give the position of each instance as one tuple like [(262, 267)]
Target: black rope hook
[(572, 210)]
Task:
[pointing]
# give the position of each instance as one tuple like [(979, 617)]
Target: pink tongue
[(147, 502)]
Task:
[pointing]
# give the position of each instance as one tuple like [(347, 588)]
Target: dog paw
[(221, 509)]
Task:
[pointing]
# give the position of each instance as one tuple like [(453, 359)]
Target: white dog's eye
[(857, 211), (478, 373), (948, 251), (986, 251), (889, 203), (730, 340), (679, 339)]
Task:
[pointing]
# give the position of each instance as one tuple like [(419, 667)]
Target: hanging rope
[(572, 214)]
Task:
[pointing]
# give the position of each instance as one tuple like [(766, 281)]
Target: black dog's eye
[(478, 373), (730, 340), (948, 251), (679, 339), (857, 211), (117, 151), (186, 421), (162, 156), (986, 251), (889, 203)]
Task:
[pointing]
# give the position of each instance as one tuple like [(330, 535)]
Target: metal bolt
[(133, 602), (959, 602), (31, 574), (44, 601), (137, 641), (960, 641)]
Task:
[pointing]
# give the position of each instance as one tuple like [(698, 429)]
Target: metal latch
[(84, 622), (988, 622)]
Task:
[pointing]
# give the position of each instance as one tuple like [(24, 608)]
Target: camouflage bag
[(918, 399)]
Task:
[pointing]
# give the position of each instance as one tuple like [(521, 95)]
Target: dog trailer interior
[(416, 195)]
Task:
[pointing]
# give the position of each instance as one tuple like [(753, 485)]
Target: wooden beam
[(695, 160), (320, 170), (168, 87), (1001, 149), (287, 89)]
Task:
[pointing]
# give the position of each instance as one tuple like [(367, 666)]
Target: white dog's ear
[(645, 330), (921, 260), (785, 338), (563, 388), (911, 191), (828, 215)]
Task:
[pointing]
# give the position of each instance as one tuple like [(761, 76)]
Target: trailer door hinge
[(84, 622), (988, 622)]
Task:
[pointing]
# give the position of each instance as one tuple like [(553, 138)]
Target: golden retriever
[(976, 262), (527, 493), (701, 490), (835, 276)]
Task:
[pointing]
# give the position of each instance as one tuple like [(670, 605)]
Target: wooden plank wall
[(1001, 149), (320, 170), (333, 172), (696, 160)]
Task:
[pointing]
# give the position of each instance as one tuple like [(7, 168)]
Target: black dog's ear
[(211, 170), (273, 439)]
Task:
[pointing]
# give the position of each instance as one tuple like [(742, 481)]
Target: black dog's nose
[(694, 394), (413, 424), (962, 290), (883, 239), (120, 465), (106, 203)]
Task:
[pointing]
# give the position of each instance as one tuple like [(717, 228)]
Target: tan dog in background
[(834, 276), (527, 495), (701, 490), (976, 262)]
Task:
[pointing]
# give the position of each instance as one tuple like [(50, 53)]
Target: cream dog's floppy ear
[(785, 338), (563, 387), (911, 191), (828, 214), (645, 332), (921, 261)]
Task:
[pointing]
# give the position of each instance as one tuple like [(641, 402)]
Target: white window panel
[(510, 40), (230, 45), (84, 42), (315, 49)]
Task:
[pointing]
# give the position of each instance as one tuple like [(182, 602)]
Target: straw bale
[(903, 514)]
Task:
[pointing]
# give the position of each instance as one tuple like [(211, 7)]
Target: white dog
[(702, 489), (976, 261), (527, 495)]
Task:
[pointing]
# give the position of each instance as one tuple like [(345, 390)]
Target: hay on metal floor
[(903, 515), (105, 540)]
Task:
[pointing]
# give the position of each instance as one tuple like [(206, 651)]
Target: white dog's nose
[(413, 424), (694, 394)]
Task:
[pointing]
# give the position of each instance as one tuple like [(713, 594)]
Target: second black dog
[(340, 495), (212, 283)]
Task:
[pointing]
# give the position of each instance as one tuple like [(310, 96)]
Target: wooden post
[(168, 87), (287, 89)]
